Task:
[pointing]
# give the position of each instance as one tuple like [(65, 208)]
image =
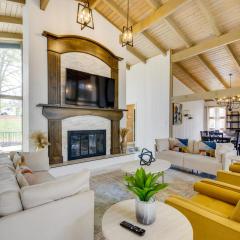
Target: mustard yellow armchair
[(214, 211), (232, 176)]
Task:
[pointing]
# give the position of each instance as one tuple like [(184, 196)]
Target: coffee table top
[(155, 167), (170, 224)]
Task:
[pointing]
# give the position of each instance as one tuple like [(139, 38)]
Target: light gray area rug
[(110, 189)]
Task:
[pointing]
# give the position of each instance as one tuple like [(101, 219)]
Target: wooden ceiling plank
[(208, 15), (203, 6), (9, 35), (8, 19), (43, 4), (212, 70), (178, 32), (17, 1), (162, 12), (207, 45), (114, 7), (93, 3), (185, 71)]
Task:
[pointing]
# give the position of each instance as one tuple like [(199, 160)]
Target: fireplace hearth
[(86, 143)]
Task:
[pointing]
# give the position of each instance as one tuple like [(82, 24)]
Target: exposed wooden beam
[(8, 35), (114, 7), (162, 12), (17, 1), (188, 43), (130, 49), (43, 4), (178, 32), (211, 69), (137, 54), (207, 95), (208, 44), (7, 19), (208, 15), (93, 3), (193, 78), (203, 6)]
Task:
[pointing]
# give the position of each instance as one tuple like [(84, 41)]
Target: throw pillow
[(207, 148), (22, 166), (16, 159), (236, 213), (22, 181), (179, 145)]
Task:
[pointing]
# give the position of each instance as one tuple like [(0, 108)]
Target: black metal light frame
[(81, 6), (125, 29)]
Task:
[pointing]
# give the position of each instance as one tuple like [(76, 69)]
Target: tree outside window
[(10, 97)]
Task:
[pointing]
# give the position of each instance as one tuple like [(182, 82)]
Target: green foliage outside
[(144, 185)]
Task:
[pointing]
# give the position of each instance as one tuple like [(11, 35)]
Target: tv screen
[(85, 89)]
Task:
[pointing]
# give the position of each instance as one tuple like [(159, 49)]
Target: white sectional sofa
[(194, 161), (50, 209)]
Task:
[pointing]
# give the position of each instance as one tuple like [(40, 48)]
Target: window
[(10, 97), (216, 118)]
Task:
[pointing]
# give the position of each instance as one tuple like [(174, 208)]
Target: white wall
[(59, 18), (148, 88), (190, 128)]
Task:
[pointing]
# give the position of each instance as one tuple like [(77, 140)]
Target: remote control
[(139, 231)]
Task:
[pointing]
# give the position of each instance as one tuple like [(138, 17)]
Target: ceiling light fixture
[(127, 32), (84, 15), (229, 102)]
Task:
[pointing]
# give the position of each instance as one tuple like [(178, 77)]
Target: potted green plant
[(145, 186)]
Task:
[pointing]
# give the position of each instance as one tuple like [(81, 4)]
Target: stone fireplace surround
[(58, 114)]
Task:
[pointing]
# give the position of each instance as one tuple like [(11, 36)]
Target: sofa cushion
[(162, 144), (38, 177), (22, 181), (10, 201), (220, 207), (37, 161), (176, 158), (202, 163), (58, 188), (6, 161), (236, 213)]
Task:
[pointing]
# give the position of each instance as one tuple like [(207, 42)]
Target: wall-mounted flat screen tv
[(85, 89)]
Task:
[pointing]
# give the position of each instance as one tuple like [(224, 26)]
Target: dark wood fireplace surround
[(55, 112)]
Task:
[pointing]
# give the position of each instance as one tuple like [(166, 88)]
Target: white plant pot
[(146, 211)]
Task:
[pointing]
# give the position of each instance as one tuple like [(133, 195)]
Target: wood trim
[(58, 112), (207, 45), (17, 1), (43, 4), (8, 19), (207, 95), (71, 43), (162, 12), (9, 35), (58, 45)]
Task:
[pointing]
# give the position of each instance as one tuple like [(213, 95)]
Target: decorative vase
[(146, 211), (123, 145)]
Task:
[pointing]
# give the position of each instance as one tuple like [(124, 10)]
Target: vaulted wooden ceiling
[(204, 35)]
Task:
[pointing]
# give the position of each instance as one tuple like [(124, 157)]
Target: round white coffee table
[(159, 166), (170, 224)]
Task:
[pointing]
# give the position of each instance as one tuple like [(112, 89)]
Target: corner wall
[(148, 88), (190, 128), (59, 18)]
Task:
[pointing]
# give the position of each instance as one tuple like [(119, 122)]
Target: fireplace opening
[(86, 143)]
